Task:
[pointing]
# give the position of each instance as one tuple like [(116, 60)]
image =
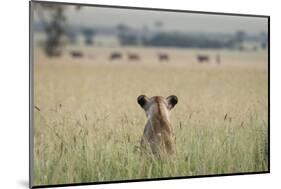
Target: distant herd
[(162, 57), (136, 57)]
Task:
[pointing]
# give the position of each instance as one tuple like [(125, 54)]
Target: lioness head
[(157, 104)]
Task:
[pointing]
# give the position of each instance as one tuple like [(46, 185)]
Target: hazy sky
[(189, 22)]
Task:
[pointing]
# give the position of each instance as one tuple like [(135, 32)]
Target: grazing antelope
[(163, 57), (202, 58), (218, 59), (76, 54), (158, 133), (133, 56), (115, 56)]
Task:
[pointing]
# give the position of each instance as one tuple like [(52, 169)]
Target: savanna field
[(88, 125)]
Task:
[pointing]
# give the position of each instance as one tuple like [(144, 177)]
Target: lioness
[(158, 133)]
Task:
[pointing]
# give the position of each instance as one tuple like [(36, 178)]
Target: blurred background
[(102, 34)]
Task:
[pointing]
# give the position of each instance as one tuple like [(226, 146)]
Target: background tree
[(88, 35), (53, 20)]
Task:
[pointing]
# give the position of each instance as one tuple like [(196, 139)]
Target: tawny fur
[(158, 136)]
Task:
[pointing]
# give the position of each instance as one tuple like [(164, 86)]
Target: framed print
[(126, 94)]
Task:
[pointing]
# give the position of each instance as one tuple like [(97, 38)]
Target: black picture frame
[(31, 92)]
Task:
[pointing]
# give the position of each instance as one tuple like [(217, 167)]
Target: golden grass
[(88, 124)]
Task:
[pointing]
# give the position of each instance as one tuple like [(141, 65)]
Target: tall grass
[(87, 124)]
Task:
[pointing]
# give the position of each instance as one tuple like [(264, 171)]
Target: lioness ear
[(143, 101), (172, 101)]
